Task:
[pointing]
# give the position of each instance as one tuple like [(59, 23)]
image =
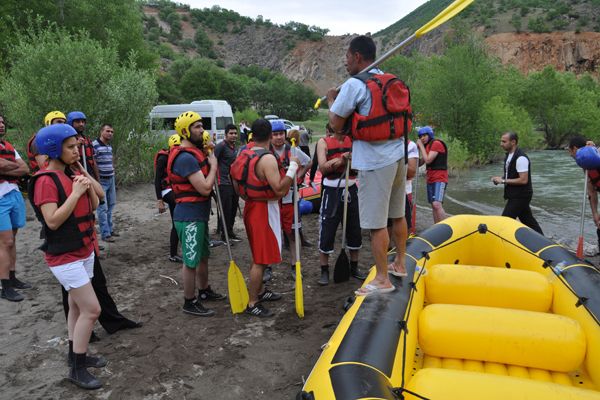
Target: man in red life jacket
[(164, 192), (593, 185), (36, 160), (283, 151), (259, 179), (12, 216), (192, 176), (78, 120), (377, 153), (333, 153)]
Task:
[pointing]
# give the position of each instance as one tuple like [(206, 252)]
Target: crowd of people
[(366, 166)]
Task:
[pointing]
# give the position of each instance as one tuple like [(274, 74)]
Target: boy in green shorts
[(192, 176)]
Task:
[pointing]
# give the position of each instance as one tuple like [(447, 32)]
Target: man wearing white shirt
[(518, 189)]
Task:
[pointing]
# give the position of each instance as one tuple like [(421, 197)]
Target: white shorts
[(75, 274)]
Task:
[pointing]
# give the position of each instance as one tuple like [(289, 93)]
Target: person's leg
[(400, 233), (226, 202), (202, 274), (527, 218), (111, 198), (374, 194), (17, 217), (256, 283), (330, 220), (439, 190), (396, 213), (7, 243), (235, 201), (512, 208), (169, 198), (72, 317), (353, 232), (89, 309), (102, 211)]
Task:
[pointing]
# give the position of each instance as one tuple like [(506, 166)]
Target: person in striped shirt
[(103, 156)]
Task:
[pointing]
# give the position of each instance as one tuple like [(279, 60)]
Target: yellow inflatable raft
[(490, 310)]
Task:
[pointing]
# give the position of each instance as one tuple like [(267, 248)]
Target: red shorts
[(263, 227), (287, 218)]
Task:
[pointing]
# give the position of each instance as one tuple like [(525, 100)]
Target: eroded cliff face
[(567, 51)]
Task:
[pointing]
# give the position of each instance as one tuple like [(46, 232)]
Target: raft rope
[(581, 300), (482, 229)]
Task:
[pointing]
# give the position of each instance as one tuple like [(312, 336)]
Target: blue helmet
[(277, 125), (588, 157), (50, 138), (73, 115), (426, 130)]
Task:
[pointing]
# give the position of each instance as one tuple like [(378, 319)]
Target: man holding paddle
[(377, 153), (258, 179)]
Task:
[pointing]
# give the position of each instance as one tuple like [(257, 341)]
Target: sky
[(339, 16)]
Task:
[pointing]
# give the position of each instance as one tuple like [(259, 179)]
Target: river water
[(557, 198)]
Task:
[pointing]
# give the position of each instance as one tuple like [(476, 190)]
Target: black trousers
[(169, 198), (519, 208), (110, 318), (230, 201)]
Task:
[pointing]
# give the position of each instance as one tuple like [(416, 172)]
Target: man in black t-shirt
[(225, 153)]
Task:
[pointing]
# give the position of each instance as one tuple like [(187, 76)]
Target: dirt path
[(173, 355)]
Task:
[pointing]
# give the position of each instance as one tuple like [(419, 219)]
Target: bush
[(53, 70)]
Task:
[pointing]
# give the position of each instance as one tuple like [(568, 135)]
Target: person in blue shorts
[(12, 215)]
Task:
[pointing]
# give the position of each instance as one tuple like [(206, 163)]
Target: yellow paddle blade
[(317, 104), (299, 292), (238, 293), (448, 13)]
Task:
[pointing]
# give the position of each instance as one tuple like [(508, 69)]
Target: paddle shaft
[(223, 222), (413, 227), (345, 206), (296, 220), (580, 243)]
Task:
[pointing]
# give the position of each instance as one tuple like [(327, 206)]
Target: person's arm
[(94, 183), (428, 158), (313, 168), (593, 197), (411, 171), (523, 170), (55, 216), (159, 175), (204, 184), (17, 168), (330, 166), (269, 168)]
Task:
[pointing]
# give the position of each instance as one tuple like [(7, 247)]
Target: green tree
[(43, 76)]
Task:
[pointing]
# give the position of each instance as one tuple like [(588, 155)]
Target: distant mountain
[(529, 34)]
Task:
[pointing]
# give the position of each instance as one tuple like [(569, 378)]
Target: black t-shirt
[(226, 156)]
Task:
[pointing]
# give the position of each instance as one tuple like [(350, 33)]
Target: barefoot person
[(12, 216), (260, 181), (377, 154), (192, 176), (65, 205)]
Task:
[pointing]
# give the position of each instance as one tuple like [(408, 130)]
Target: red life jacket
[(164, 183), (7, 152), (33, 165), (88, 148), (243, 171), (390, 116), (284, 159), (78, 229), (335, 149), (594, 176), (185, 192)]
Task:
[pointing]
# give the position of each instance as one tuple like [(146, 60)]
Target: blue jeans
[(105, 209)]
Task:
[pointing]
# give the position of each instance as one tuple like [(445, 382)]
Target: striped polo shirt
[(104, 158)]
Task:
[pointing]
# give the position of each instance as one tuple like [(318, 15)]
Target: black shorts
[(332, 212)]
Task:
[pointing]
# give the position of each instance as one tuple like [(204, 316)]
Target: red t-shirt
[(46, 192), (436, 175)]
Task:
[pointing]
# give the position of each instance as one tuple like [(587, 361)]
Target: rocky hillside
[(529, 34)]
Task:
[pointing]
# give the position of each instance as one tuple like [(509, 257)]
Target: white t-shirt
[(413, 152), (303, 158), (522, 164), (6, 187)]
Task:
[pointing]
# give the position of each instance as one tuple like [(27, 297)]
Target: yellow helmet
[(184, 121), (52, 115), (174, 140), (250, 137), (205, 138)]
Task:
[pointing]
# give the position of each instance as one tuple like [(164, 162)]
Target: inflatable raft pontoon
[(490, 310)]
